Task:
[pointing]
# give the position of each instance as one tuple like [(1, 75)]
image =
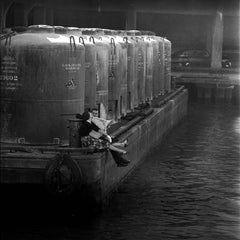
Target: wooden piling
[(219, 94), (228, 94), (207, 93)]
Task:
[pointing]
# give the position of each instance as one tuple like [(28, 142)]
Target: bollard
[(74, 139)]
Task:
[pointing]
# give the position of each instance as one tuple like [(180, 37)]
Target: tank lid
[(19, 29), (121, 32), (109, 32), (92, 31), (60, 29), (133, 32), (40, 28), (74, 30), (148, 33), (6, 30)]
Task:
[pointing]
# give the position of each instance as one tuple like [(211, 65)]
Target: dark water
[(188, 188)]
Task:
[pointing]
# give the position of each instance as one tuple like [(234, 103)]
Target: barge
[(94, 175), (52, 73)]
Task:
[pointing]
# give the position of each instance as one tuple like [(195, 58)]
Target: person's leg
[(117, 144), (118, 157), (122, 144), (117, 149)]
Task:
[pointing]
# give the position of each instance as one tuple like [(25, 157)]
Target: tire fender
[(63, 176)]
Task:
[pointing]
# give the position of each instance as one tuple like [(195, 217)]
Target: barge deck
[(93, 175)]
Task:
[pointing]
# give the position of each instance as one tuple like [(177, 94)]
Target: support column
[(217, 41), (131, 20)]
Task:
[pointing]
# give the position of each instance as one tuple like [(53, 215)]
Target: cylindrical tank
[(141, 63), (117, 73), (102, 66), (157, 77), (42, 79), (161, 65), (158, 64), (167, 65), (149, 65), (90, 63), (132, 81)]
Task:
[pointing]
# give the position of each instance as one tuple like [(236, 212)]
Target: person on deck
[(92, 135)]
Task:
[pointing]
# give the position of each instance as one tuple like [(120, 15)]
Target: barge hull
[(100, 175), (142, 138)]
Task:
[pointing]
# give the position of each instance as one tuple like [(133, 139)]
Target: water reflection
[(188, 188)]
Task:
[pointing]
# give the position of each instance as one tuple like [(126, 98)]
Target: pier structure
[(210, 85), (215, 83)]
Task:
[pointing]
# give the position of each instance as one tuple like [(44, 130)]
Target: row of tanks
[(49, 73)]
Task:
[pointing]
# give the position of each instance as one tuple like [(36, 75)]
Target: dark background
[(186, 23)]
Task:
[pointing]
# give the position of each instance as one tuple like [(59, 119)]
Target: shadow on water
[(188, 188)]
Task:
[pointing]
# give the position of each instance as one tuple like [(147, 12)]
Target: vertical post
[(217, 41), (200, 92), (131, 18), (207, 93), (74, 138)]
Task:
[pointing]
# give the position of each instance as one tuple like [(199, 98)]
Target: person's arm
[(97, 129), (94, 127)]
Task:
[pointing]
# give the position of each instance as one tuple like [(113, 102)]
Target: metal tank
[(167, 65), (156, 75), (158, 64), (150, 44), (161, 65), (141, 64), (90, 101), (132, 81), (94, 35), (42, 79), (117, 73)]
